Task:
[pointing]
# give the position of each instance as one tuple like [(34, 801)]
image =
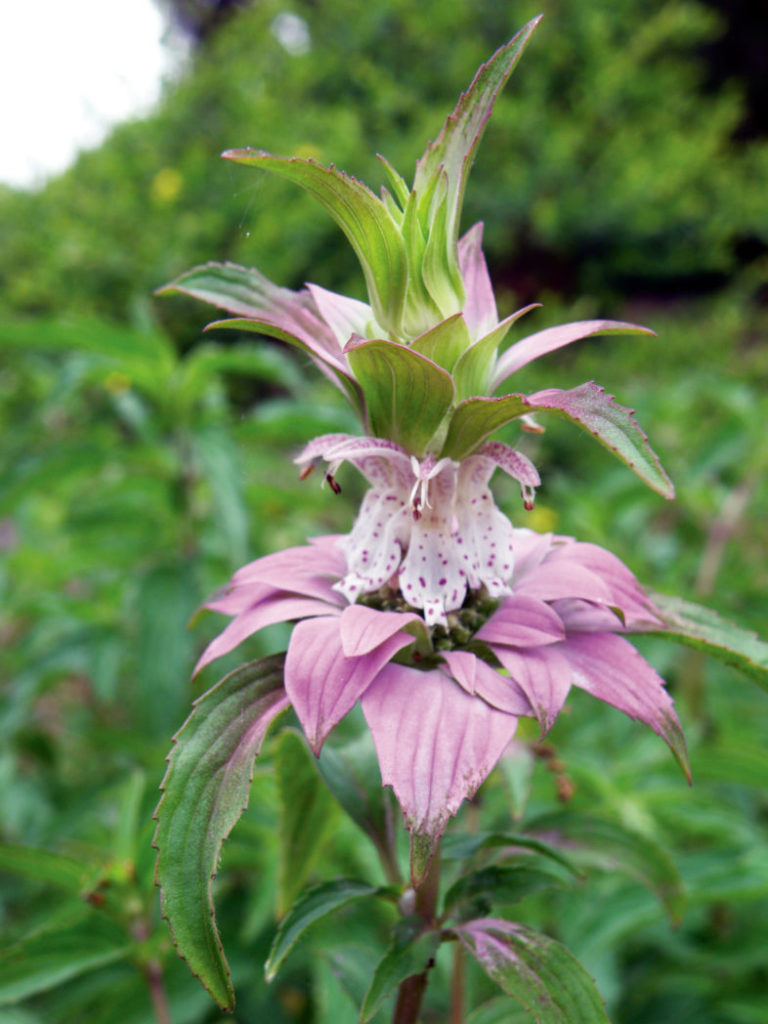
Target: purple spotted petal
[(364, 629), (522, 621), (280, 608), (609, 668), (322, 683), (435, 743), (517, 465), (481, 680), (480, 306), (544, 676)]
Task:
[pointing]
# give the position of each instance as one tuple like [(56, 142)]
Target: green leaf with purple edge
[(704, 630), (588, 406), (410, 952), (205, 790), (406, 394), (455, 147), (313, 905), (363, 218), (534, 969), (613, 425), (609, 844)]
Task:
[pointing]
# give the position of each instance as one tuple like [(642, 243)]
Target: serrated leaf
[(407, 395), (307, 813), (536, 970), (613, 425), (705, 630), (588, 406), (318, 902), (497, 884), (363, 218), (204, 793), (48, 958), (611, 844), (409, 953)]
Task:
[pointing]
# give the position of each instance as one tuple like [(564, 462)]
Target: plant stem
[(457, 986), (411, 991), (153, 975)]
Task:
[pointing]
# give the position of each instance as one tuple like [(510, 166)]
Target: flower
[(442, 697)]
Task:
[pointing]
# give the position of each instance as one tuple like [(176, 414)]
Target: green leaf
[(318, 902), (410, 952), (705, 630), (456, 145), (475, 419), (49, 958), (206, 361), (406, 394), (499, 1011), (307, 813), (363, 218), (461, 847), (588, 406), (204, 792), (496, 884), (536, 970), (472, 373), (444, 343), (610, 844), (68, 873)]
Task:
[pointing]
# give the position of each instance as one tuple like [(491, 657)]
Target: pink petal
[(539, 344), (625, 591), (522, 621), (232, 600), (364, 629), (316, 559), (480, 306), (557, 579), (544, 676), (609, 668), (322, 683), (481, 680), (280, 608), (435, 743)]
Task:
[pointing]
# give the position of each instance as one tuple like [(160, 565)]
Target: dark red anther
[(332, 484), (306, 471)]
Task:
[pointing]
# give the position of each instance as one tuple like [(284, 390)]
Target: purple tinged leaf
[(322, 682), (204, 793), (552, 338), (612, 425), (536, 970), (522, 621), (343, 315), (609, 667), (407, 395), (435, 745), (363, 218), (544, 676)]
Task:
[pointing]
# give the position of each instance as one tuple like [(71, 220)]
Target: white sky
[(69, 69)]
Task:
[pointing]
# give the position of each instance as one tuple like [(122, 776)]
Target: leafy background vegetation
[(623, 175)]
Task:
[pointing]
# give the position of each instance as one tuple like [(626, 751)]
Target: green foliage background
[(140, 463)]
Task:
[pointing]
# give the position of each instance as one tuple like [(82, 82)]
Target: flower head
[(443, 678)]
